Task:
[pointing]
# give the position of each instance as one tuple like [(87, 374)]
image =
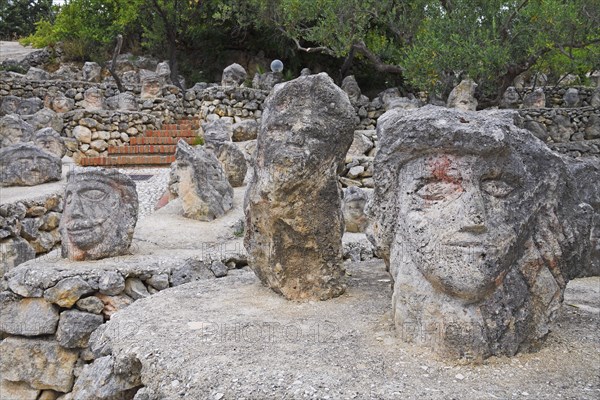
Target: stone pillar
[(293, 203)]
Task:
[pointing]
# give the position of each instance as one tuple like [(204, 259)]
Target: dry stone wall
[(28, 228)]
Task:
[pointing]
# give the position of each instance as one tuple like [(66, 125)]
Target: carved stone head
[(233, 75), (25, 164), (478, 227), (100, 213), (50, 141)]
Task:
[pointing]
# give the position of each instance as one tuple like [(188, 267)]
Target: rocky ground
[(233, 338)]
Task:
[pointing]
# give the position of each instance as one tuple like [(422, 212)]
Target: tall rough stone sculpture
[(100, 213), (202, 184), (480, 227), (462, 96), (25, 164), (293, 211)]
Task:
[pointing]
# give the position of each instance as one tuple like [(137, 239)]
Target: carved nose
[(77, 209), (474, 221)]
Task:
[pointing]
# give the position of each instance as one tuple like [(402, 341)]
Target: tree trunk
[(113, 63)]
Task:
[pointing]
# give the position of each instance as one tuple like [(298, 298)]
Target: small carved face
[(51, 144), (30, 166), (460, 216), (90, 210)]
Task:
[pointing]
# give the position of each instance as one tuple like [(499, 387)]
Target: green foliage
[(13, 68), (18, 17), (492, 41), (429, 44), (43, 36), (198, 141)]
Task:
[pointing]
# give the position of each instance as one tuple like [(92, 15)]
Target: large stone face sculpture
[(292, 205), (478, 224), (100, 213), (202, 184), (25, 164)]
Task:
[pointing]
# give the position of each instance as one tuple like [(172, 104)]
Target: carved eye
[(93, 194), (497, 188), (437, 190)]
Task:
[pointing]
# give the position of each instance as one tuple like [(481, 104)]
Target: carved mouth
[(81, 228)]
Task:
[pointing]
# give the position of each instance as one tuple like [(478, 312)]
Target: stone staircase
[(156, 148)]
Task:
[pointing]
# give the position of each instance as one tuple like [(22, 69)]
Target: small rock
[(75, 327), (159, 281), (111, 283), (28, 317), (460, 377), (135, 289), (66, 292), (90, 304), (219, 269)]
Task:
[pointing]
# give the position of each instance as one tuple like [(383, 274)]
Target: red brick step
[(138, 160)]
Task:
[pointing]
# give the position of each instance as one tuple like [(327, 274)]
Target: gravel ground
[(149, 190)]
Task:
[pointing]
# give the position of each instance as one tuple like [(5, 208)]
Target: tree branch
[(113, 63), (504, 29), (375, 60), (320, 49)]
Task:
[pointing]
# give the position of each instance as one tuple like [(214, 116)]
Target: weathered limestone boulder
[(123, 101), (14, 130), (18, 390), (130, 78), (25, 164), (361, 145), (107, 378), (58, 102), (92, 72), (462, 97), (151, 85), (571, 98), (595, 101), (233, 161), (203, 187), (535, 99), (99, 216), (45, 118), (37, 74), (93, 99), (244, 130), (83, 134), (586, 175), (233, 75), (67, 72), (30, 106), (9, 105), (15, 251), (510, 98), (27, 317), (75, 328), (50, 141), (479, 227), (41, 363), (350, 86), (353, 206), (67, 291), (217, 131), (267, 80), (293, 203), (592, 130), (164, 71)]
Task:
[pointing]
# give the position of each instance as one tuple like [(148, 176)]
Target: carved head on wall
[(100, 213)]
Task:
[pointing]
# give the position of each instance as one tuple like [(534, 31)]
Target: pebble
[(460, 377), (150, 190)]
